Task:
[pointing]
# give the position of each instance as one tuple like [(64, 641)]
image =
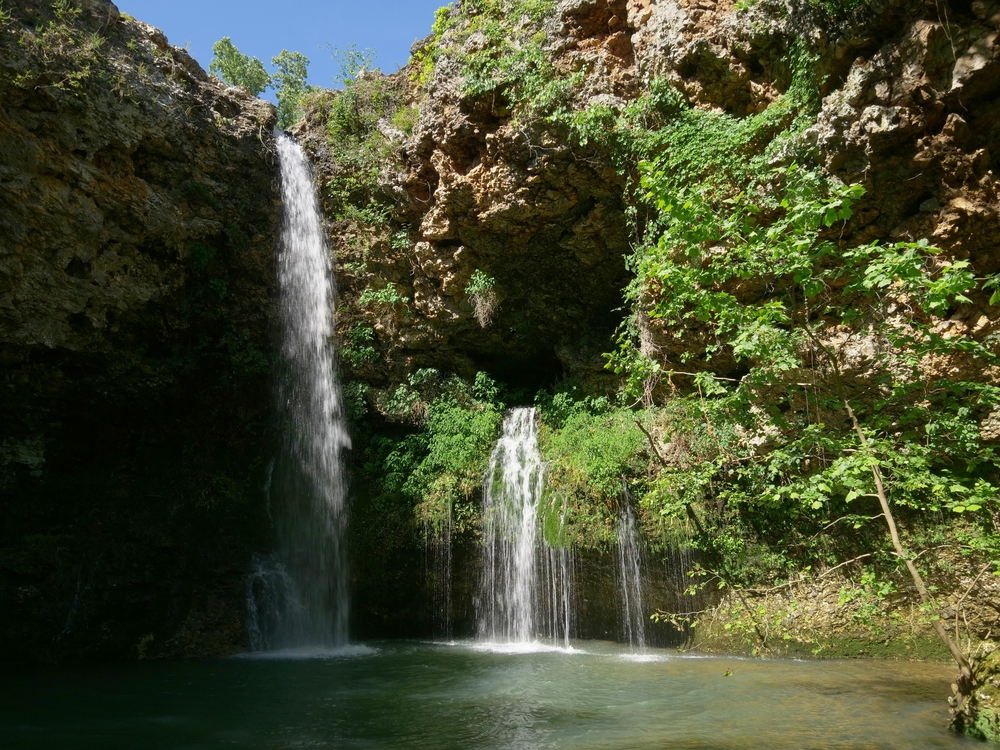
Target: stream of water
[(630, 580), (298, 597), (526, 583), (465, 696)]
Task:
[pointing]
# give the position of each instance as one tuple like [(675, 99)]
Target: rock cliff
[(476, 182), (138, 220)]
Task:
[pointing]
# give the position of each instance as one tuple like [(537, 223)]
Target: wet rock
[(138, 221)]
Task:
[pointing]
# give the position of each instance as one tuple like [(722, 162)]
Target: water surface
[(593, 696)]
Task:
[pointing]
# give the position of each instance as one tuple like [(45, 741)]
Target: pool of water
[(465, 695)]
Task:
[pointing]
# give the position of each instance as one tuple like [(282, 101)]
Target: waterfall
[(526, 584), (307, 593), (630, 570)]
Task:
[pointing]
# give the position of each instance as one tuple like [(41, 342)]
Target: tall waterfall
[(304, 589), (630, 571), (525, 587)]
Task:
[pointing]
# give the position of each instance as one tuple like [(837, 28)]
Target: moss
[(981, 717)]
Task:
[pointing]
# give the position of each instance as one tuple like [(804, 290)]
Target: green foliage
[(480, 284), (594, 454), (783, 455), (719, 151), (59, 54), (246, 359), (837, 10), (425, 57), (352, 62), (405, 119), (361, 148), (359, 349), (993, 283), (438, 469), (501, 47), (410, 400), (356, 404), (870, 593), (515, 62), (201, 255), (237, 69), (400, 240), (639, 131), (480, 290), (694, 146), (387, 297), (289, 83)]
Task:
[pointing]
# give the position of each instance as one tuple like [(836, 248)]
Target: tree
[(352, 61), (760, 277), (237, 69), (290, 84)]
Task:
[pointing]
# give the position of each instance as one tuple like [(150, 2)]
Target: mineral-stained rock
[(138, 211), (909, 110)]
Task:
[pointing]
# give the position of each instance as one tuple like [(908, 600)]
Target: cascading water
[(305, 593), (630, 571), (526, 584)]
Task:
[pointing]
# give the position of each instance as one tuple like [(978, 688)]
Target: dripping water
[(306, 585), (437, 573), (558, 572)]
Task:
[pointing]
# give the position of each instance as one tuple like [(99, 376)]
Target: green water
[(417, 695)]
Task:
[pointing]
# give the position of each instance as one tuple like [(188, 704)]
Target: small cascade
[(630, 574), (525, 591), (306, 600)]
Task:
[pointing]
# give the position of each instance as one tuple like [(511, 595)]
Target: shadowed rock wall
[(138, 220)]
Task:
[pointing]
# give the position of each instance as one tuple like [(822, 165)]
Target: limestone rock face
[(909, 109), (478, 190), (138, 219)]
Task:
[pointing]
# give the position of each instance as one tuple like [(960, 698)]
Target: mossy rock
[(982, 714)]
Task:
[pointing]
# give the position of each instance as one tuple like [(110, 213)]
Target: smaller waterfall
[(510, 519), (274, 605), (525, 590), (630, 570)]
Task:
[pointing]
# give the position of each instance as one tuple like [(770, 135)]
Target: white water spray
[(630, 571), (525, 588), (308, 480)]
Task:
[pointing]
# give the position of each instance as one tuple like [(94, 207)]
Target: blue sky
[(262, 29)]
